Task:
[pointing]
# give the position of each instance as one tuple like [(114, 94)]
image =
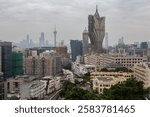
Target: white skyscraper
[(85, 41)]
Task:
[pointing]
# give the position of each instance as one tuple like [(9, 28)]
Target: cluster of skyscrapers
[(89, 55), (32, 72)]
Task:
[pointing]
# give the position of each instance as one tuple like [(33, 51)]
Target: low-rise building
[(51, 83), (25, 87), (113, 60), (34, 89), (115, 74), (68, 75), (142, 73), (79, 69), (102, 80)]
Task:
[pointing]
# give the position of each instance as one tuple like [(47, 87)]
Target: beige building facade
[(113, 60), (104, 80), (47, 64), (142, 73)]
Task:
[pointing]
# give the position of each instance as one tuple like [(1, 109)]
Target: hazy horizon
[(130, 19)]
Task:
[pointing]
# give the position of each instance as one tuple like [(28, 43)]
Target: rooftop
[(105, 79)]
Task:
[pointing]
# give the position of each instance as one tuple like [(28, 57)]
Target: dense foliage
[(127, 90), (118, 69), (73, 92)]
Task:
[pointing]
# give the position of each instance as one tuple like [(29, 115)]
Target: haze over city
[(18, 18), (46, 53)]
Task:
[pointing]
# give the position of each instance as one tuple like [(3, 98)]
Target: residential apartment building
[(33, 89), (14, 84), (51, 83), (79, 69), (142, 73), (62, 51), (46, 64), (25, 87)]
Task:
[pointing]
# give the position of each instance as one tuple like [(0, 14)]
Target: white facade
[(103, 82), (33, 89), (79, 69), (51, 83), (69, 75), (142, 73), (85, 41)]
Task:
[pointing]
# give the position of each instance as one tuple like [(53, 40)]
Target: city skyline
[(129, 19)]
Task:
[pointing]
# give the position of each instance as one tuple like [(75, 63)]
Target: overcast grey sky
[(128, 18)]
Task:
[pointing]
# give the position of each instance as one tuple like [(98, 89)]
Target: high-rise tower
[(85, 41), (106, 40), (55, 33), (76, 49), (42, 40), (96, 29), (6, 59)]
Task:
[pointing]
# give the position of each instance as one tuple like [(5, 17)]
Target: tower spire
[(96, 8), (96, 13)]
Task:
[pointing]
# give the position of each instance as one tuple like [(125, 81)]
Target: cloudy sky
[(128, 18)]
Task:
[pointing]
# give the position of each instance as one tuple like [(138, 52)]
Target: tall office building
[(1, 86), (121, 41), (27, 41), (85, 41), (137, 44), (5, 66), (144, 45), (0, 59), (6, 55), (76, 49), (148, 44), (1, 78), (42, 40), (96, 29), (55, 34)]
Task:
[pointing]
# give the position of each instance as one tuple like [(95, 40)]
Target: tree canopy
[(130, 89), (118, 69)]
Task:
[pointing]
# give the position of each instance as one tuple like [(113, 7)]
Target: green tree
[(128, 90), (104, 70), (74, 92), (123, 69), (13, 98)]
